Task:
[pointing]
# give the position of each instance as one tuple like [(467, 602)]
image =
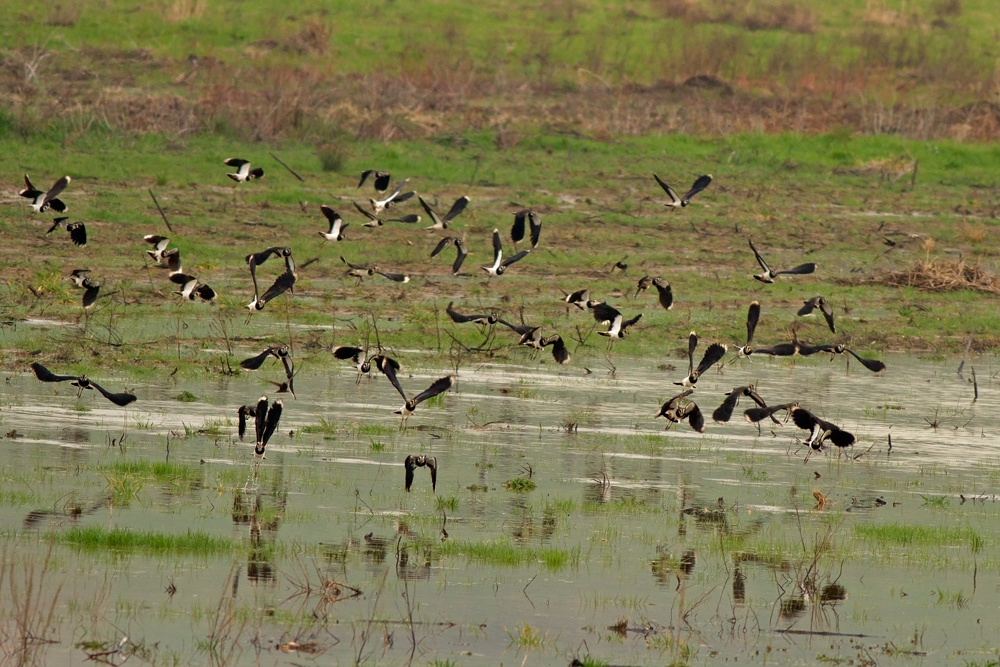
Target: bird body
[(243, 171), (824, 307), (266, 418), (769, 275), (82, 382), (675, 410), (713, 353), (337, 225), (453, 212), (821, 430), (41, 201), (675, 202), (421, 461), (396, 197), (499, 264), (159, 244), (725, 411)]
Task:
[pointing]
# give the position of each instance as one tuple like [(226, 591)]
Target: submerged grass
[(502, 553), (124, 541), (889, 535)]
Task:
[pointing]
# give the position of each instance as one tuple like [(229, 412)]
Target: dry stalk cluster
[(942, 275)]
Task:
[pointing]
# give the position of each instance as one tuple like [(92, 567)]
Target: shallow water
[(695, 547)]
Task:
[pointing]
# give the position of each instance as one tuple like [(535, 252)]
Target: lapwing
[(460, 256), (357, 356), (874, 365), (821, 430), (534, 222), (159, 244), (374, 220), (699, 184), (676, 412), (439, 386), (559, 351), (713, 353), (768, 275), (483, 319), (753, 317), (172, 258), (337, 225), (281, 352), (284, 282), (578, 298), (413, 462), (388, 367), (665, 294), (397, 197), (359, 271), (243, 171), (617, 326), (82, 382), (381, 180), (725, 411), (244, 413), (439, 222), (824, 307), (266, 418), (77, 230), (78, 276), (193, 289), (499, 264), (90, 291), (756, 415), (42, 201), (644, 284)]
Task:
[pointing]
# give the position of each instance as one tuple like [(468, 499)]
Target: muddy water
[(637, 546)]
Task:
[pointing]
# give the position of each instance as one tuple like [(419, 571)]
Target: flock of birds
[(527, 223)]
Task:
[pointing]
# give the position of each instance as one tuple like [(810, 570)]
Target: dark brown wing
[(665, 293), (753, 317), (273, 417), (439, 386), (243, 413), (460, 257), (255, 362), (456, 208), (714, 353), (827, 309), (410, 464), (78, 233), (799, 270), (725, 411), (389, 367), (605, 313), (535, 224), (45, 375), (432, 465), (121, 400), (260, 420), (693, 413), (442, 244), (517, 229), (874, 365), (284, 283), (700, 184)]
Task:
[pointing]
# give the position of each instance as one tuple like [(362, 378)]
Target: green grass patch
[(895, 534), (502, 553), (125, 541)]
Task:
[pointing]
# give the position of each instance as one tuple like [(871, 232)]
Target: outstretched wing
[(45, 375), (535, 222), (674, 199), (442, 244), (725, 411), (874, 365), (439, 386), (516, 258), (121, 399), (255, 362), (438, 222), (365, 212), (410, 464), (700, 184), (389, 367), (712, 355), (460, 257), (244, 412), (517, 230), (605, 313), (273, 417), (753, 317), (760, 260), (827, 309), (284, 283), (799, 270), (456, 208)]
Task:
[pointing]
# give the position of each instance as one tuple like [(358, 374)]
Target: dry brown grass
[(942, 275)]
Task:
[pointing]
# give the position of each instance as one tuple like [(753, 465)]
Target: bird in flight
[(821, 430), (439, 222), (337, 225), (753, 317), (499, 264), (381, 180), (374, 220), (700, 184), (534, 224), (243, 171), (824, 307), (42, 201), (676, 410), (768, 275), (713, 353), (413, 462), (617, 326), (82, 382), (725, 411), (77, 230), (460, 256), (280, 352), (397, 197)]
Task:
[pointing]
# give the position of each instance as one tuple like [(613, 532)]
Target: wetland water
[(637, 546)]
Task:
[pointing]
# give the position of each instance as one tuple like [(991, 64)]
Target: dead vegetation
[(942, 275)]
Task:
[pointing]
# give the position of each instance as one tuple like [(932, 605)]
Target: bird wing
[(827, 309), (807, 307), (56, 188), (804, 419), (456, 208), (286, 361), (120, 400), (874, 365), (760, 260), (674, 199), (408, 219), (692, 345), (459, 318), (535, 222), (205, 293), (460, 257), (751, 391), (90, 295), (371, 216), (605, 313), (284, 283), (260, 418), (672, 403), (244, 412), (235, 162), (78, 233), (395, 193), (519, 329), (725, 411), (410, 464), (497, 248), (432, 464), (359, 267), (712, 355), (273, 417), (517, 229), (442, 244), (331, 215), (56, 224), (389, 367), (665, 294), (364, 176), (255, 362), (840, 437), (45, 375), (181, 278), (346, 352), (799, 270), (438, 222), (627, 323), (753, 317), (699, 184), (439, 386), (780, 350), (395, 277), (693, 413), (516, 258), (29, 191)]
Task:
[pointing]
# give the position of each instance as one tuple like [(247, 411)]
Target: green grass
[(125, 541), (501, 553), (889, 535)]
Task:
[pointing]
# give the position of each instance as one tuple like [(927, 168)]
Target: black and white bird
[(396, 197), (677, 410), (821, 430), (439, 386), (159, 244), (244, 413), (725, 411), (337, 225), (665, 294), (534, 222), (499, 264), (439, 222), (381, 180), (874, 365), (193, 288), (753, 317), (756, 415), (768, 275), (77, 230), (389, 275), (90, 291), (421, 461), (78, 276), (617, 325), (266, 418), (359, 271), (280, 352), (559, 351), (644, 284), (172, 260), (459, 244), (824, 307), (578, 298), (357, 356), (42, 201), (284, 282), (713, 353), (700, 184), (82, 382), (374, 220), (483, 319), (243, 171)]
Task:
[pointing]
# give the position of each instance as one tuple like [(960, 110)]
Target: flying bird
[(874, 365), (82, 382), (159, 244), (78, 276), (665, 294), (617, 326), (413, 462), (460, 256), (756, 415), (578, 298), (700, 184), (824, 307), (243, 171), (192, 289), (534, 223), (483, 319), (280, 352), (374, 220), (676, 411), (725, 411), (77, 230), (439, 222), (821, 430), (768, 275), (283, 283), (356, 355), (381, 180), (753, 317), (337, 225), (90, 291), (439, 386), (396, 197), (266, 418), (499, 264), (713, 353), (559, 351), (41, 201)]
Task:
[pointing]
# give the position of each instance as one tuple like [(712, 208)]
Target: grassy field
[(832, 131)]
